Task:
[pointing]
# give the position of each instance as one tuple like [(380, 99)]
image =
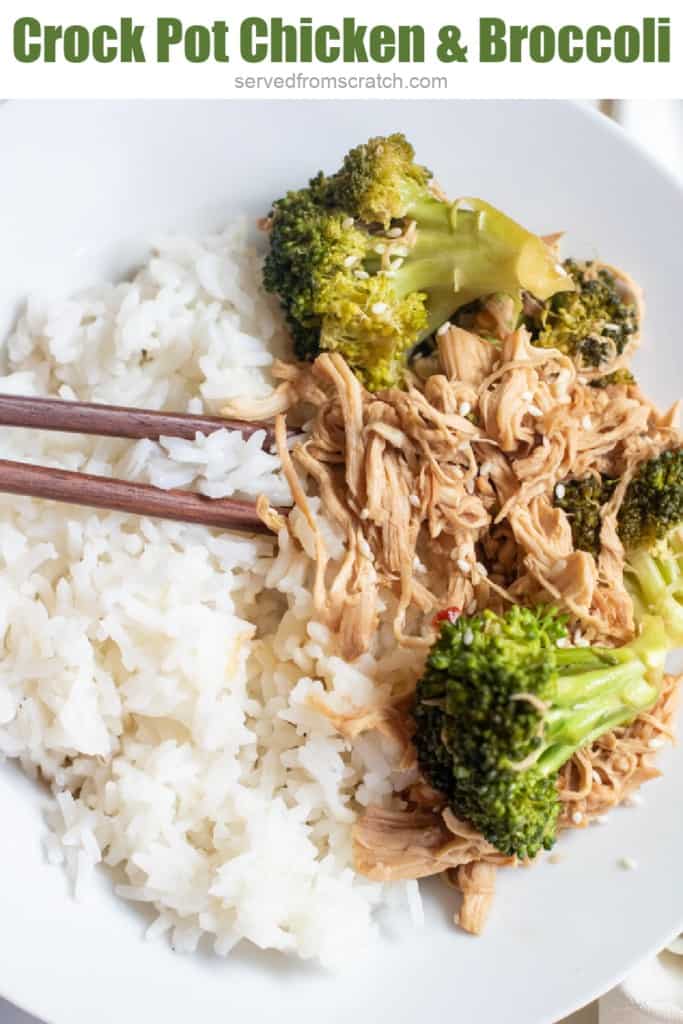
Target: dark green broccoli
[(329, 262), (583, 501), (653, 502), (593, 324), (308, 244), (650, 527), (649, 524), (504, 702), (618, 378)]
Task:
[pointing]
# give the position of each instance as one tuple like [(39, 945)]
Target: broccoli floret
[(325, 260), (308, 244), (501, 708), (379, 181), (653, 502), (593, 324), (650, 526), (652, 505), (582, 500), (618, 378)]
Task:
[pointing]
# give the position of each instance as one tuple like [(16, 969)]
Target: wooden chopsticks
[(121, 495), (114, 420)]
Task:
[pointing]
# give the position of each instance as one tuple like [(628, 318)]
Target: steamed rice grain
[(159, 675)]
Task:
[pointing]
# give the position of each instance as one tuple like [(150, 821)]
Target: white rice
[(159, 674)]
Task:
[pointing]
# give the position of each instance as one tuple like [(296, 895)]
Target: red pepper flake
[(451, 615)]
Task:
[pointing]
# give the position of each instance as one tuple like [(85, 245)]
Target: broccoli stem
[(623, 695), (654, 579), (599, 689), (461, 254)]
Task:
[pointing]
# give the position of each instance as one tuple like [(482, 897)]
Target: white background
[(185, 80)]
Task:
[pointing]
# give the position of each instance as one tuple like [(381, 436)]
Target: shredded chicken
[(599, 778), (444, 494), (427, 838), (397, 475), (465, 356), (390, 845), (390, 719), (415, 483), (477, 882), (296, 386)]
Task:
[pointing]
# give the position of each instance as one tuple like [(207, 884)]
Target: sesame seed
[(394, 232), (380, 248), (414, 500), (534, 411), (485, 468), (464, 408), (610, 327), (463, 565), (350, 260), (348, 222), (582, 641), (633, 800), (468, 637), (560, 491), (562, 642), (469, 486), (388, 273), (481, 569), (600, 819), (444, 327), (656, 743), (628, 863), (471, 607), (364, 513), (527, 396), (378, 308), (577, 817), (364, 548), (397, 264), (400, 250), (362, 275), (596, 777), (587, 423)]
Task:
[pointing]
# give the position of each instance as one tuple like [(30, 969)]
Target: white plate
[(82, 186)]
